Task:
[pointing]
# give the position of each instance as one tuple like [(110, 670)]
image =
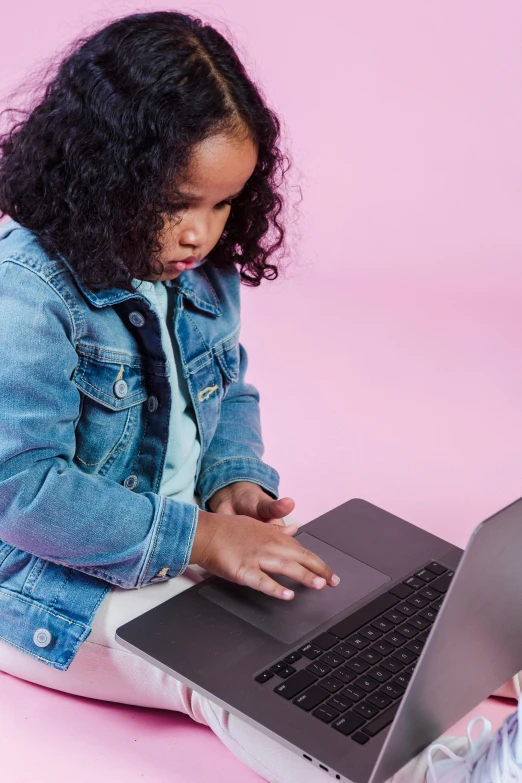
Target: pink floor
[(409, 400), (50, 736)]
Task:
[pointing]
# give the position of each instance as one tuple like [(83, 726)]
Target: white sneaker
[(487, 759)]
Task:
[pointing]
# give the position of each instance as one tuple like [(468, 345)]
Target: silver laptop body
[(217, 637)]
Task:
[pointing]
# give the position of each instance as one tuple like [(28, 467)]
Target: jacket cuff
[(170, 550), (232, 469)]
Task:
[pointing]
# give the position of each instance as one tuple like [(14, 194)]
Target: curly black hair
[(94, 166)]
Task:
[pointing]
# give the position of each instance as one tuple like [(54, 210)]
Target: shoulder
[(20, 246), (30, 275)]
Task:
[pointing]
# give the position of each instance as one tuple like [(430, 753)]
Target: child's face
[(220, 168)]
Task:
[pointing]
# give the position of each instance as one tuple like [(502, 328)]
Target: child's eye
[(173, 208)]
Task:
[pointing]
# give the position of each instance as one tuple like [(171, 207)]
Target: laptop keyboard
[(353, 675)]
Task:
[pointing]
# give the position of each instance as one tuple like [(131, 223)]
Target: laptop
[(356, 679)]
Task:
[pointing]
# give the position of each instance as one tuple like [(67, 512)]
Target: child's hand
[(244, 497), (245, 551)]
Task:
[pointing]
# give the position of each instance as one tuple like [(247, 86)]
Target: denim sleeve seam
[(152, 547), (233, 459)]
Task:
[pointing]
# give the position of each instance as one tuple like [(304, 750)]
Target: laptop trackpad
[(290, 620)]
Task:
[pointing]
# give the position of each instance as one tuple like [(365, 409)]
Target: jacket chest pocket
[(113, 389), (213, 371)]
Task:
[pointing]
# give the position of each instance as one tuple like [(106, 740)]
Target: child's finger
[(268, 508), (290, 529)]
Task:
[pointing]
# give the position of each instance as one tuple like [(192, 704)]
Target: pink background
[(388, 355)]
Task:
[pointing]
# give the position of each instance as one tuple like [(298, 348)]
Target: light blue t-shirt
[(183, 446)]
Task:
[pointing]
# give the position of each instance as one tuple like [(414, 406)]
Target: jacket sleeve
[(235, 452), (48, 506)]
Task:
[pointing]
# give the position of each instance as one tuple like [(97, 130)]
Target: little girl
[(140, 192)]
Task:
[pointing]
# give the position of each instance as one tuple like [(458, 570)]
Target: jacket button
[(120, 389), (152, 403), (131, 482), (136, 319), (42, 637)]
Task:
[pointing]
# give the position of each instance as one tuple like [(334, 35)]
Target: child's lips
[(182, 265)]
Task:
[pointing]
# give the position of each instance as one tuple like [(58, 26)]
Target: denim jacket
[(84, 411)]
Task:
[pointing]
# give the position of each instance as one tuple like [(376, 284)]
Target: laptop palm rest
[(288, 621)]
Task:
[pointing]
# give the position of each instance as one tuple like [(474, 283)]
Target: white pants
[(103, 669)]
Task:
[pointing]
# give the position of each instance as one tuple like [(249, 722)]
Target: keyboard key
[(348, 723), (428, 613), (396, 639), (401, 590), (345, 649), (380, 674), (392, 665), (383, 625), (363, 615), (352, 692), (430, 593), (393, 690), (381, 721), (366, 710), (277, 667), (370, 633), (382, 647), (414, 646), (339, 703), (370, 656), (407, 630), (443, 582), (395, 617), (404, 656), (379, 699), (418, 601), (361, 738), (264, 676), (436, 568), (423, 637), (331, 684), (420, 623), (402, 680), (293, 657), (425, 575), (437, 605), (316, 667), (325, 713), (358, 642), (410, 668), (325, 641), (286, 672), (310, 651), (311, 698), (367, 683), (415, 582), (407, 608), (357, 665), (344, 675), (331, 659), (295, 684)]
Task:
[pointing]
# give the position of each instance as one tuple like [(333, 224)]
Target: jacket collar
[(193, 284)]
